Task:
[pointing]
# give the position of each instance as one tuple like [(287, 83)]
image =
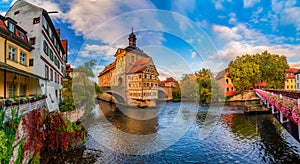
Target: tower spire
[(132, 39)]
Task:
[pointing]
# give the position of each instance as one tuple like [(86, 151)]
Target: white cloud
[(286, 13), (219, 3), (97, 51), (291, 16), (226, 33), (4, 1), (90, 18), (194, 55), (232, 18), (294, 64), (183, 6), (256, 15), (240, 40), (235, 48), (48, 5), (250, 3), (3, 13)]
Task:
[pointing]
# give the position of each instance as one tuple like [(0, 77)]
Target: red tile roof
[(19, 32), (107, 68), (170, 79), (291, 70), (139, 65)]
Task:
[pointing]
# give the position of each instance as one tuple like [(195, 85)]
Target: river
[(172, 134)]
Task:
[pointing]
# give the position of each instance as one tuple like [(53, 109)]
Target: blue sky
[(181, 36)]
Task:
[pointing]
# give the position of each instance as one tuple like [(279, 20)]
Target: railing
[(25, 108), (287, 109)]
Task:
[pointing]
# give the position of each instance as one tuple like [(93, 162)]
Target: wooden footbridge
[(285, 109)]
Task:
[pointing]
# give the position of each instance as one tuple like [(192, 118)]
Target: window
[(226, 81), (11, 27), (51, 75), (36, 20), (55, 77), (292, 87), (298, 77), (23, 58), (50, 54), (46, 72), (298, 86), (11, 90), (12, 53), (45, 47), (22, 90), (231, 88), (227, 89), (22, 35), (30, 62), (17, 12), (287, 87), (32, 41)]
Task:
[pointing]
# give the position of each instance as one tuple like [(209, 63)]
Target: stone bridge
[(117, 94)]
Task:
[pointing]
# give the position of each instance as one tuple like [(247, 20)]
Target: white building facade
[(49, 57), (297, 79)]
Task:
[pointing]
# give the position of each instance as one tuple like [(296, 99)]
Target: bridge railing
[(287, 107)]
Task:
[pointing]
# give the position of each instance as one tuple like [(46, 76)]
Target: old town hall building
[(133, 73)]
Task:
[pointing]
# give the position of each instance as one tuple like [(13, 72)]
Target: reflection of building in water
[(134, 72), (126, 123)]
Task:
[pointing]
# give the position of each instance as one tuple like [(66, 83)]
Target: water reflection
[(236, 138), (128, 124)]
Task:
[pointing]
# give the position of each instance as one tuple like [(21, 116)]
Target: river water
[(173, 134)]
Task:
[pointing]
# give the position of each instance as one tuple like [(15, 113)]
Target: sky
[(182, 36)]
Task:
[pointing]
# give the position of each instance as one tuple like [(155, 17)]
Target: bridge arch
[(165, 93), (118, 97)]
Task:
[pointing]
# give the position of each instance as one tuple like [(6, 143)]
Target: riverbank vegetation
[(8, 128), (80, 90), (200, 86)]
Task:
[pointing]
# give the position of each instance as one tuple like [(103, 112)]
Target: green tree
[(189, 87), (208, 87), (247, 70), (204, 79), (272, 68), (176, 93), (84, 89)]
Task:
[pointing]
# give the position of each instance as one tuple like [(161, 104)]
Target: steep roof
[(170, 79), (221, 74), (139, 65), (108, 68), (19, 35), (22, 3)]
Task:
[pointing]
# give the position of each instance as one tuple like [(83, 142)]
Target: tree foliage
[(80, 90), (247, 70), (208, 87), (189, 86), (200, 85)]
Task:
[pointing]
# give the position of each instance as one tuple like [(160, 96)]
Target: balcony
[(25, 104)]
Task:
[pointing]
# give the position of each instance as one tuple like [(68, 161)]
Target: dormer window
[(22, 35), (11, 27)]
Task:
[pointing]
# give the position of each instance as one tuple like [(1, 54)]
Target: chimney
[(58, 32)]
